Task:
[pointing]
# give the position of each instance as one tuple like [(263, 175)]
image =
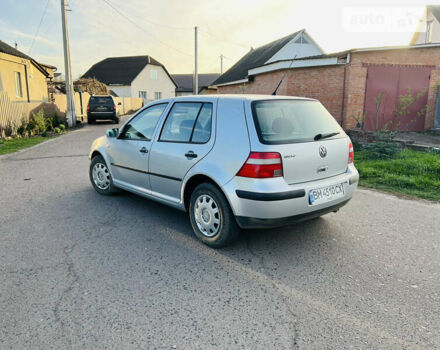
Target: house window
[(143, 94), (428, 38), (153, 74), (157, 95), (301, 40), (18, 89)]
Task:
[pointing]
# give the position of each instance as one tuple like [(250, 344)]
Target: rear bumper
[(273, 202), (101, 115), (249, 222)]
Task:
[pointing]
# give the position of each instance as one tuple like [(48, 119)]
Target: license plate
[(325, 194), (101, 108)]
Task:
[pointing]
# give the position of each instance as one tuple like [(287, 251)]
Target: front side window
[(290, 121), (188, 122), (143, 125), (18, 89)]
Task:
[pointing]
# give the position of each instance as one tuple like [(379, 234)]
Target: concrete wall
[(144, 82), (36, 80)]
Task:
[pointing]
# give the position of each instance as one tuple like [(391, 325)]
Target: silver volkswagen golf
[(230, 161)]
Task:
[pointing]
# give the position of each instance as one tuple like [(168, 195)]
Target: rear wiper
[(324, 136)]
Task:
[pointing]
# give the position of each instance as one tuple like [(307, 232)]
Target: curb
[(8, 155)]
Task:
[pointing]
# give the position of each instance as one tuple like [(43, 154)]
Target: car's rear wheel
[(116, 120), (211, 216), (100, 176)]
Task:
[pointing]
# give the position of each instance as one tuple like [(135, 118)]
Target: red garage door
[(396, 97)]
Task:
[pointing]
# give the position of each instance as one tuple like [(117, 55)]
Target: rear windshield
[(105, 100), (290, 121)]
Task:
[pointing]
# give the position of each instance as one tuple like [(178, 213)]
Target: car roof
[(248, 97)]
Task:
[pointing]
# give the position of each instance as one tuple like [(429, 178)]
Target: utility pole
[(196, 74), (221, 64), (71, 117)]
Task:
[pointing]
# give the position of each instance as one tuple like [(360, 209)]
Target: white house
[(273, 56), (134, 76), (428, 30)]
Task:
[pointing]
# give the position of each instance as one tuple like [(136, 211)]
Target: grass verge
[(408, 172), (14, 145)]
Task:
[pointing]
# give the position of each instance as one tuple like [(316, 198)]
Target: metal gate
[(396, 97)]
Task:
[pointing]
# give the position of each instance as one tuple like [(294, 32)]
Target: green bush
[(44, 134), (62, 127), (384, 147), (357, 146), (55, 120), (49, 124), (21, 130), (37, 123), (57, 130)]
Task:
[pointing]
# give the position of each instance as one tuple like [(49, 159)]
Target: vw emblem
[(322, 151)]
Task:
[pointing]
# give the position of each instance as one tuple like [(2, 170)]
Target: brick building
[(373, 88)]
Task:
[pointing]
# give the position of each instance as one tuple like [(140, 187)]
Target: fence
[(13, 113)]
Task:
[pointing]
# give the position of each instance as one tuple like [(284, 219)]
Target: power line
[(222, 38), (141, 28), (161, 24), (39, 25)]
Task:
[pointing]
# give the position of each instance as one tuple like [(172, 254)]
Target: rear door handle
[(143, 150), (190, 154)]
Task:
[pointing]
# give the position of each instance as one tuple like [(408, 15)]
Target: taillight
[(88, 108), (262, 165), (114, 107), (350, 153)]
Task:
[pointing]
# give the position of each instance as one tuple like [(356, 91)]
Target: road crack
[(73, 274), (293, 318)]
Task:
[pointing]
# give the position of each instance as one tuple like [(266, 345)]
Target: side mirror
[(112, 132), (119, 103)]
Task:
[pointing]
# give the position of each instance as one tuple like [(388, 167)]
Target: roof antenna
[(279, 84)]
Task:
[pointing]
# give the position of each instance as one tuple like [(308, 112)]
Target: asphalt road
[(84, 271)]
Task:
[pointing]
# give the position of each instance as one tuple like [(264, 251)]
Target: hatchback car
[(230, 161), (102, 107)]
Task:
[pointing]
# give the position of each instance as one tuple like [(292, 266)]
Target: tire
[(211, 216), (116, 121), (103, 184)]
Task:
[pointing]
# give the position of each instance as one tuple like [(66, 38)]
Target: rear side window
[(98, 100), (291, 121), (188, 122)]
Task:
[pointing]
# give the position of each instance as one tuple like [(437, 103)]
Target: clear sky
[(164, 29)]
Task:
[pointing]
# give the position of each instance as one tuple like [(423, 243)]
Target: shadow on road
[(305, 242)]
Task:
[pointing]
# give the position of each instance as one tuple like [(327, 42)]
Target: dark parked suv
[(102, 108)]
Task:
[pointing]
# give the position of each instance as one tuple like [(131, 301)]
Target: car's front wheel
[(211, 216), (100, 176)]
